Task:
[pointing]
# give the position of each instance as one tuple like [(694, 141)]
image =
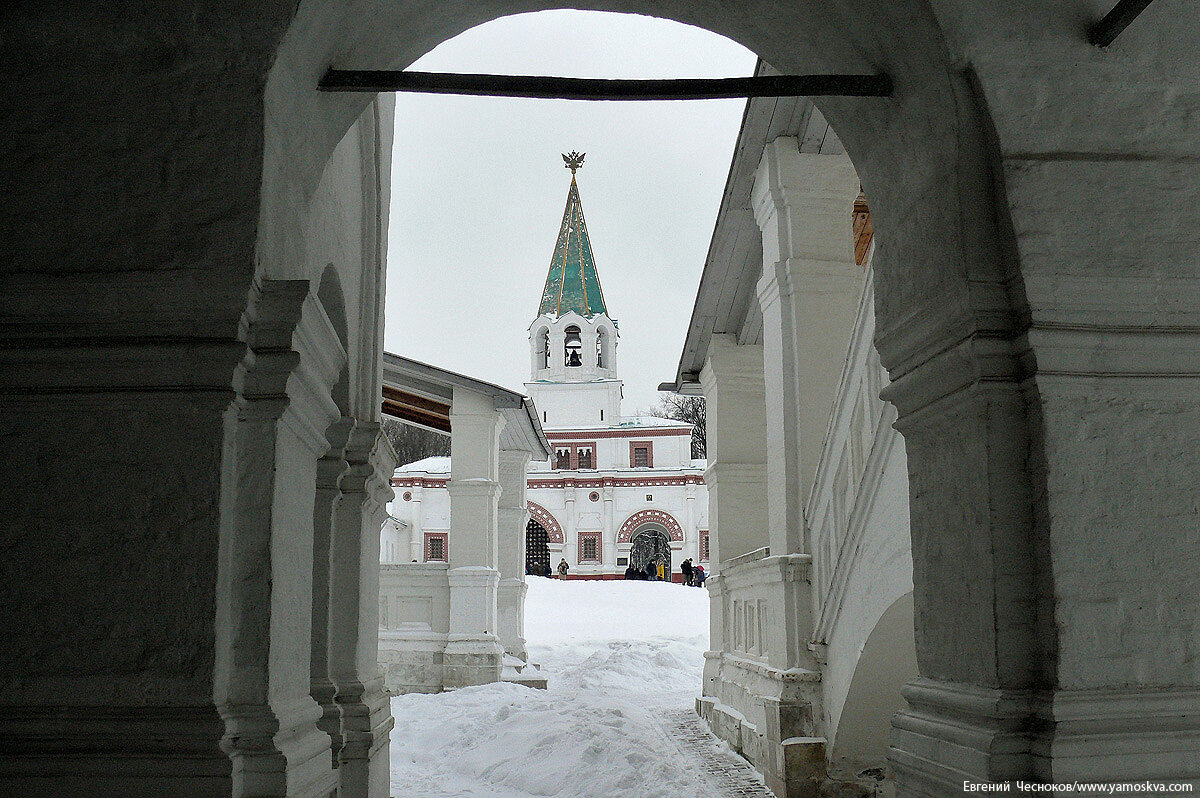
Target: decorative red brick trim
[(648, 446), (643, 517), (631, 432), (599, 551), (445, 546), (615, 482), (418, 482), (554, 533)]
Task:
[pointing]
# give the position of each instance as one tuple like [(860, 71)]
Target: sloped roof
[(572, 283), (430, 465)]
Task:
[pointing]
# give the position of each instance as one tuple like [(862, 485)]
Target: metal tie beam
[(544, 87), (1105, 32)]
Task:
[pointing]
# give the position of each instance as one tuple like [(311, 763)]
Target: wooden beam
[(416, 409), (544, 87), (1105, 32)]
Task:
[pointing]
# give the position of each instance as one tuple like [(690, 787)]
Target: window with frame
[(436, 548), (639, 455), (562, 458), (703, 545), (584, 456), (589, 547)]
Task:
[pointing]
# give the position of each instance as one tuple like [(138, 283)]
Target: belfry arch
[(1034, 202)]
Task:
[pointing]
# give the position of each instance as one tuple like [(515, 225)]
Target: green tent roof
[(572, 284)]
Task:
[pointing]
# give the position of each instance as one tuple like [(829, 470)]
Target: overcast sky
[(478, 190)]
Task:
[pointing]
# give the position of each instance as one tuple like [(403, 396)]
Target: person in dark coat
[(685, 568), (699, 575), (563, 568), (651, 571)]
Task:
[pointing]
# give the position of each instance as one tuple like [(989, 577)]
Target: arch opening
[(537, 549), (572, 347), (918, 55), (888, 661), (650, 545)]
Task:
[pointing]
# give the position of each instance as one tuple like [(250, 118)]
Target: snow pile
[(620, 657)]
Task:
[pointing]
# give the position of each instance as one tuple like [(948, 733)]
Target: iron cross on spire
[(573, 160)]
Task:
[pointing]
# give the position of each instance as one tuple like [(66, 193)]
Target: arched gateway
[(650, 544), (1037, 294), (537, 548)]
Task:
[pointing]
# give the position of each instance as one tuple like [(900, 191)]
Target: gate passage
[(537, 548), (651, 545)]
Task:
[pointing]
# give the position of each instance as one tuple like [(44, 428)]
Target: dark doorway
[(651, 545), (537, 548)]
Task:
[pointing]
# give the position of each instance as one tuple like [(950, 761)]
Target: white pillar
[(732, 380), (587, 337), (691, 546), (514, 515), (416, 540), (362, 741), (609, 539), (809, 291), (473, 651), (570, 544)]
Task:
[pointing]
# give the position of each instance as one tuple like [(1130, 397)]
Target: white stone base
[(411, 659), (1126, 735), (954, 732), (510, 616), (472, 660), (118, 750), (766, 715)]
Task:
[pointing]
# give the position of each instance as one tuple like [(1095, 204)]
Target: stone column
[(609, 539), (473, 651), (416, 540), (514, 515), (275, 437), (732, 380), (361, 742), (809, 292), (570, 543), (691, 547), (588, 338)]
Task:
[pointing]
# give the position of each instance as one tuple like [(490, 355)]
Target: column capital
[(804, 203), (730, 363)]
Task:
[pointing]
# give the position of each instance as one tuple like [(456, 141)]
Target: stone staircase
[(518, 671)]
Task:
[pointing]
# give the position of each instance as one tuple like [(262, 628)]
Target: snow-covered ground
[(624, 660)]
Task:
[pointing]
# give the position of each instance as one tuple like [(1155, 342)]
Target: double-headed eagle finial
[(573, 160)]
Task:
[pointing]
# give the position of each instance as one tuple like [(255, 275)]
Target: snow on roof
[(701, 463), (430, 465), (651, 421)]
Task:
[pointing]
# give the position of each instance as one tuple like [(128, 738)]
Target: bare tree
[(414, 443), (679, 407)]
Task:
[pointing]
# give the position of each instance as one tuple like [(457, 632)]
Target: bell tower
[(573, 342)]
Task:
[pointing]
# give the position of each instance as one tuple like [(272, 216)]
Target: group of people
[(543, 569), (653, 572), (692, 574)]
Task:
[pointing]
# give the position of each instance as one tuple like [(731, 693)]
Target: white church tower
[(618, 493), (573, 342)]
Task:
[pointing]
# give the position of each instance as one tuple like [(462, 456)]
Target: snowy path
[(624, 661)]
